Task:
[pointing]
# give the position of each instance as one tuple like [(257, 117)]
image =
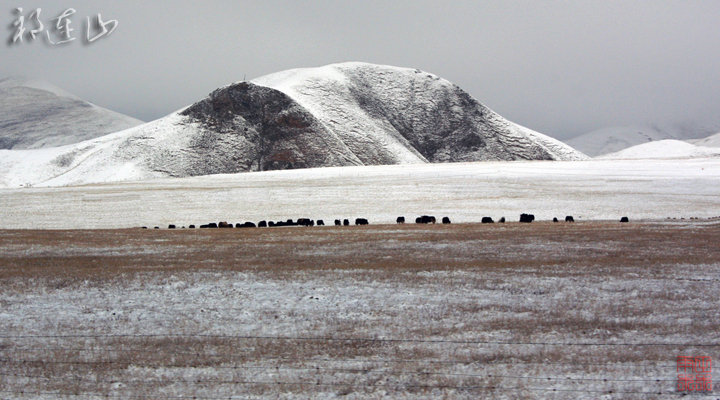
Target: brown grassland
[(541, 310)]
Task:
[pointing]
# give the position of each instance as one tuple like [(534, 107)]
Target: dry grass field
[(564, 311)]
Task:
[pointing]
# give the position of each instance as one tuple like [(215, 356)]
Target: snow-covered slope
[(664, 149), (710, 141), (616, 138), (36, 114), (338, 115), (613, 139), (388, 115)]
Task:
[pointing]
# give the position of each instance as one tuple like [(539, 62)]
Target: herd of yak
[(425, 219)]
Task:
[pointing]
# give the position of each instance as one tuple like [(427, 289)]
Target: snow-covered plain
[(588, 190)]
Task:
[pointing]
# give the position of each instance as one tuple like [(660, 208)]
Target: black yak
[(527, 218)]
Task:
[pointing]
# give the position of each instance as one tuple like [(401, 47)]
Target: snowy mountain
[(35, 114), (663, 149), (613, 139), (710, 141), (409, 116), (337, 115)]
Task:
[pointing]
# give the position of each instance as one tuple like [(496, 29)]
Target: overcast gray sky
[(559, 67)]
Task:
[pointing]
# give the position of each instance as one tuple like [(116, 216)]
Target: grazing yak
[(400, 220), (569, 218), (502, 220), (346, 222), (487, 220), (171, 226), (224, 224), (425, 219), (289, 222), (446, 220), (361, 221), (624, 219), (305, 222), (337, 222), (191, 226), (527, 218), (320, 222)]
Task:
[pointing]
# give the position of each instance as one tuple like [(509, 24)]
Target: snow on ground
[(667, 149), (598, 189)]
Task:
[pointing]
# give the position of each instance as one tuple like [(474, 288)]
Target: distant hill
[(668, 148), (36, 114), (710, 141), (613, 139), (337, 115)]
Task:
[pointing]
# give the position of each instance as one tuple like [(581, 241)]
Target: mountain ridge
[(337, 115)]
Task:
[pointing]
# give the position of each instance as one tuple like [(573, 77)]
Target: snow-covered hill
[(664, 149), (337, 115), (613, 139), (409, 116), (710, 141), (36, 114)]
